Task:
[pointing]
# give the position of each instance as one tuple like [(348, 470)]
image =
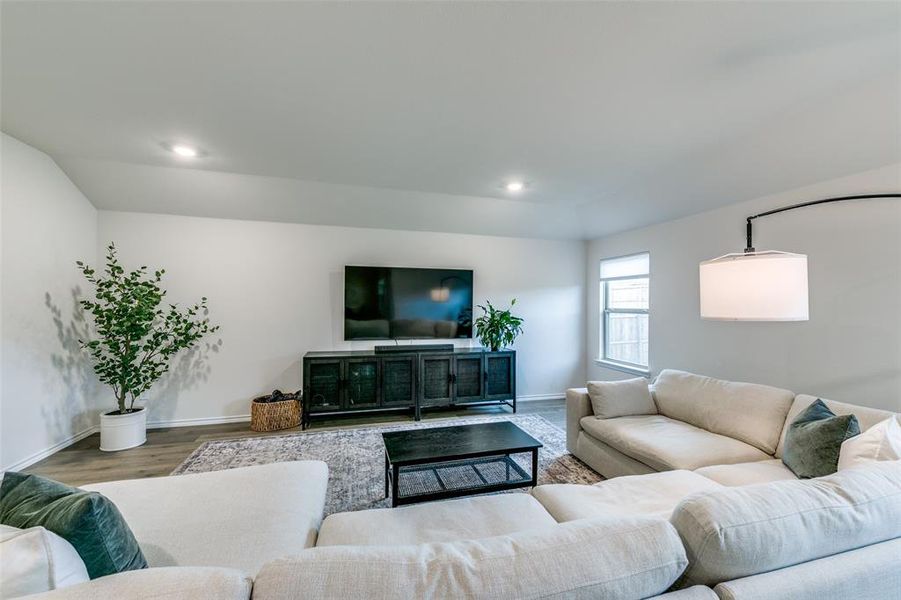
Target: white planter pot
[(120, 432)]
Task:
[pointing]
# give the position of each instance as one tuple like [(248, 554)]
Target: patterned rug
[(355, 457)]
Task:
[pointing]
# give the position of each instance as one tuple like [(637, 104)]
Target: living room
[(462, 299)]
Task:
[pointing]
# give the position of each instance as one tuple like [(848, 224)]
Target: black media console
[(355, 382)]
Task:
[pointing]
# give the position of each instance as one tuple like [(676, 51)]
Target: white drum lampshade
[(755, 286)]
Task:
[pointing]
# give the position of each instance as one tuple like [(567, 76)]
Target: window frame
[(604, 313)]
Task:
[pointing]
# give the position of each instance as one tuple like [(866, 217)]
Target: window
[(625, 301)]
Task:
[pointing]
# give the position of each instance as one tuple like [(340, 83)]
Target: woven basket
[(272, 416)]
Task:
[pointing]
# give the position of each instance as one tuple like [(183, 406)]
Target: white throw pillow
[(882, 441), (621, 398), (36, 560)]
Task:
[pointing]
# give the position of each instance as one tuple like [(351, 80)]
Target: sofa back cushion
[(591, 558), (161, 583), (742, 531), (748, 412), (866, 417)]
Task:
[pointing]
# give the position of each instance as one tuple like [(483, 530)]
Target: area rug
[(355, 457)]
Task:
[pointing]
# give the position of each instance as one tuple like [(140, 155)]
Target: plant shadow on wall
[(135, 340), (190, 370), (74, 368)]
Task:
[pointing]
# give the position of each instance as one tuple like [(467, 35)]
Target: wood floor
[(83, 462)]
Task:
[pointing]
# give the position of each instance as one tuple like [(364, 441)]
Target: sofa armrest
[(161, 583), (578, 405)]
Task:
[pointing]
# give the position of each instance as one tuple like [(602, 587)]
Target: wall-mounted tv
[(383, 303)]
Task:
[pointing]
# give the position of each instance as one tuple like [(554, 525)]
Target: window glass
[(625, 305)]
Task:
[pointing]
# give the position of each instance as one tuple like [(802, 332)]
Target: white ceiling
[(412, 115)]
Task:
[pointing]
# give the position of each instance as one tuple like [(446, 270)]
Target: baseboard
[(39, 456), (534, 397), (246, 418), (198, 421)]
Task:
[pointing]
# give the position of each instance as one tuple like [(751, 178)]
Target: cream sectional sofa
[(674, 535), (730, 432), (738, 530)]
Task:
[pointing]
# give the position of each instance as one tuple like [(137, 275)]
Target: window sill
[(623, 368)]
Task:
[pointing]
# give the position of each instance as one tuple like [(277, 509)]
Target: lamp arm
[(748, 227)]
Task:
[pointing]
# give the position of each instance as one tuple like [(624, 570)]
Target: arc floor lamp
[(767, 285)]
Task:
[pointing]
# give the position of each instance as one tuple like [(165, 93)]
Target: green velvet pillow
[(87, 520), (814, 440)]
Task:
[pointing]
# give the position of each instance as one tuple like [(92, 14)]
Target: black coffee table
[(448, 462)]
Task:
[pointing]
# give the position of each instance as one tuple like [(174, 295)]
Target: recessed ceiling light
[(185, 151), (515, 186)]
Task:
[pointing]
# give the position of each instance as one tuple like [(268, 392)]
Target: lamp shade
[(756, 286)]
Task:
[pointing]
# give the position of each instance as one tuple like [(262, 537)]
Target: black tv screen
[(382, 303)]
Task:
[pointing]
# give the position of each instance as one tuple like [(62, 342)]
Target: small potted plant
[(136, 339), (497, 329)]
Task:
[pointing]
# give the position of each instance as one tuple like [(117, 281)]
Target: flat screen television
[(383, 303)]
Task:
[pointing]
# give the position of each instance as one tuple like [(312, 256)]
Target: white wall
[(277, 291), (48, 390), (850, 350)]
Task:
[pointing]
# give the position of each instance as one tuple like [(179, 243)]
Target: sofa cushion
[(866, 417), (814, 440), (466, 518), (748, 412), (238, 518), (656, 494), (36, 560), (620, 398), (882, 441), (750, 473), (607, 460), (868, 573), (741, 531), (592, 558), (167, 583), (666, 444), (87, 520)]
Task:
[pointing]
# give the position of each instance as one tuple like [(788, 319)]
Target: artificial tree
[(136, 335), (497, 328)]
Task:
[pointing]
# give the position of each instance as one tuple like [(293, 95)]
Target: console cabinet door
[(322, 384), (398, 386), (361, 383), (500, 375), (436, 375), (468, 379)]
